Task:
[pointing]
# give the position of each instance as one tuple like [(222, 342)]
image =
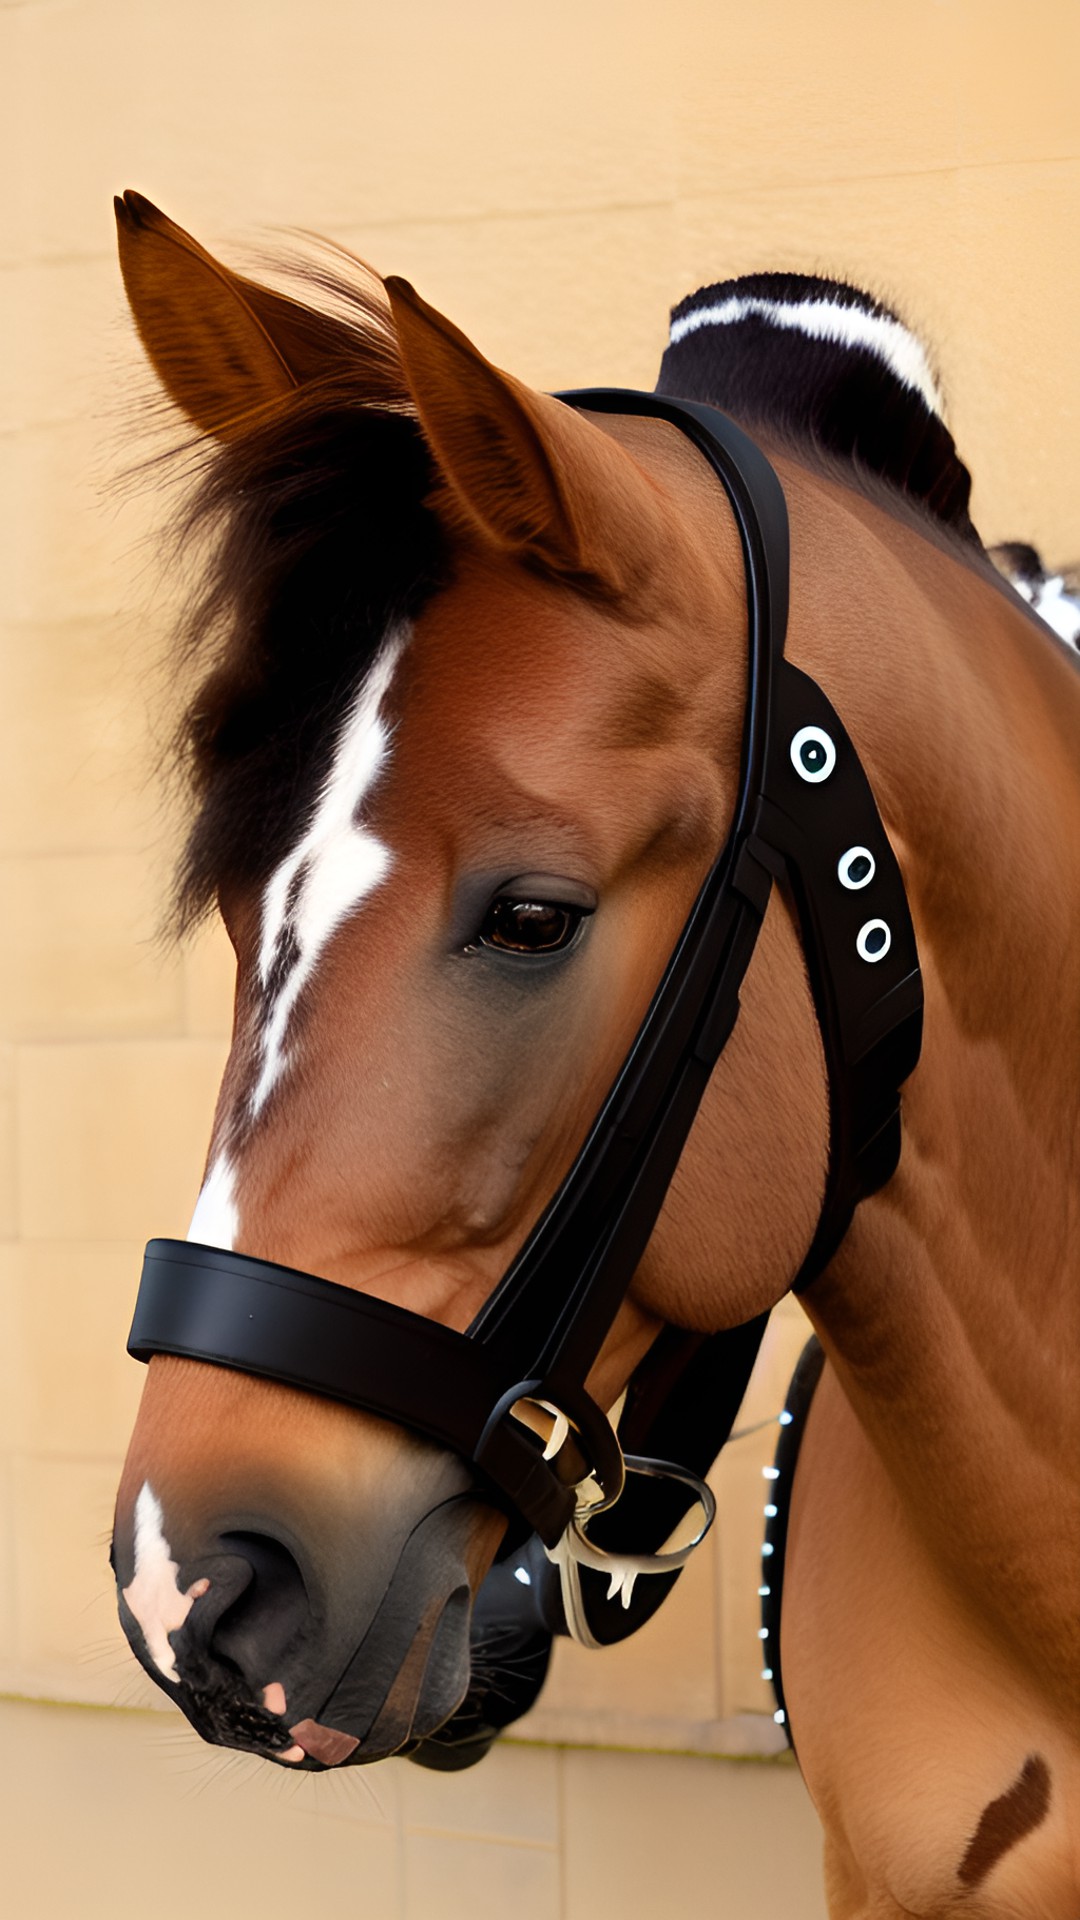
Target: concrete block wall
[(555, 178)]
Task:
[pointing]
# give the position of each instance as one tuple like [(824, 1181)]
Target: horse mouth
[(325, 1744), (399, 1683), (360, 1721), (371, 1713)]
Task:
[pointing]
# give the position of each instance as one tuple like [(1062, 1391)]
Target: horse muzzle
[(311, 1647)]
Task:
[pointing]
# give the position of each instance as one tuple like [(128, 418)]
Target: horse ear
[(531, 474), (222, 346)]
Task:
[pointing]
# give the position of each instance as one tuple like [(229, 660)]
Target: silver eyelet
[(813, 754), (856, 868), (874, 941)]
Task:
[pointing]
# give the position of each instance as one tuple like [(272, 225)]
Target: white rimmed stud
[(813, 754), (856, 868), (874, 941)]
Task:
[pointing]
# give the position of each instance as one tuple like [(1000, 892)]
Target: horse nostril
[(265, 1614)]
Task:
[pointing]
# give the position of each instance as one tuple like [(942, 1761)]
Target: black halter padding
[(869, 1013), (543, 1326)]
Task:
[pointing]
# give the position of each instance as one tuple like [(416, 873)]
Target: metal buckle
[(575, 1550)]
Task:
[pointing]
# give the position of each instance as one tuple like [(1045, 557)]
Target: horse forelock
[(830, 369), (321, 544)]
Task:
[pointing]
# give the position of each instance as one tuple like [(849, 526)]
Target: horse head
[(465, 744)]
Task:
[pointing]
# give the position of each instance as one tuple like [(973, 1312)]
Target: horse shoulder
[(945, 1780)]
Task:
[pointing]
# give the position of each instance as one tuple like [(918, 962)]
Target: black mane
[(836, 398)]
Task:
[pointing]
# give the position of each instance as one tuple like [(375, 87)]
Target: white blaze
[(331, 869), (214, 1221), (822, 319), (154, 1597)]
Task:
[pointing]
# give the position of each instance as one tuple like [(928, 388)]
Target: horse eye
[(528, 926)]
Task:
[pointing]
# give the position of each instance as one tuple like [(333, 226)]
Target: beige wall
[(555, 177)]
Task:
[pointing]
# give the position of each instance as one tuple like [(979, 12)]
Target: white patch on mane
[(1051, 600), (214, 1222), (336, 864), (154, 1596), (821, 319)]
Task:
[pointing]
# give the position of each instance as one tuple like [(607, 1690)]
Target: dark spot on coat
[(1008, 1820)]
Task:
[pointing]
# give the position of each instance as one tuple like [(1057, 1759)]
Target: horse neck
[(967, 716), (950, 1312)]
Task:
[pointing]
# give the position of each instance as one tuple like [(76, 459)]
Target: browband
[(804, 815)]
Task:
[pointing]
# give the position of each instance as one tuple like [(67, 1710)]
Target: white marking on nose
[(336, 864), (214, 1221), (154, 1596), (889, 340)]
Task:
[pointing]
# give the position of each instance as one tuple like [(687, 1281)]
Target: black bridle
[(804, 815)]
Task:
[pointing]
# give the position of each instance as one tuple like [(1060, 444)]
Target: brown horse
[(465, 746)]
